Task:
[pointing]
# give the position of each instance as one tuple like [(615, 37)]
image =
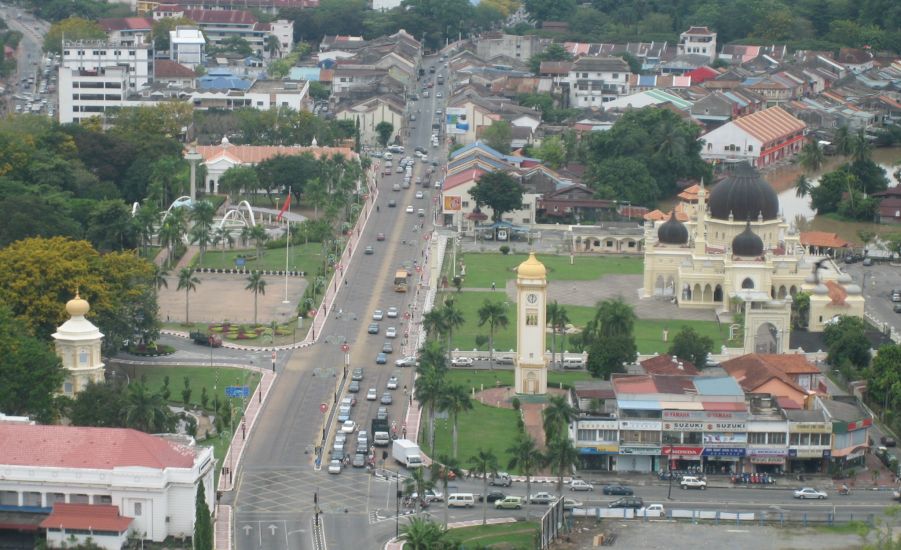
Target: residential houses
[(761, 138), (595, 80)]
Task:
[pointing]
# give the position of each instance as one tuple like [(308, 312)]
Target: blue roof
[(310, 74), (638, 404), (475, 145), (721, 385), (736, 99), (219, 71), (496, 164), (223, 83), (647, 80)]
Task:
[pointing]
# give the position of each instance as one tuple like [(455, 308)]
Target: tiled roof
[(254, 154), (462, 177), (93, 517), (823, 239), (665, 364), (698, 30), (89, 448), (231, 17), (786, 363), (167, 68), (555, 67), (770, 124), (602, 64), (753, 373), (125, 23)]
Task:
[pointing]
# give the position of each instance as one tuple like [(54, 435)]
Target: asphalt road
[(877, 282), (274, 496), (30, 48)]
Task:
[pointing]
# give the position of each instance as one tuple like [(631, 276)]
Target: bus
[(400, 280)]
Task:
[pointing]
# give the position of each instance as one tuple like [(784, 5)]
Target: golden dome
[(77, 306), (531, 268)]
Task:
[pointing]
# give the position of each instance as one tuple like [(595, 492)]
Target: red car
[(380, 237)]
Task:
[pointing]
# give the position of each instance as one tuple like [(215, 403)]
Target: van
[(508, 503), (461, 500), (502, 479), (572, 363)]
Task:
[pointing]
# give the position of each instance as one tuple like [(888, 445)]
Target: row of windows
[(35, 499), (585, 75), (766, 438), (97, 85), (97, 97), (597, 435), (730, 147), (823, 440), (696, 438), (99, 52)]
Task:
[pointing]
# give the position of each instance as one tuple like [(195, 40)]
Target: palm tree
[(453, 319), (433, 323), (557, 415), (423, 534), (494, 314), (484, 463), (442, 468), (245, 235), (525, 457), (802, 186), (187, 282), (146, 411), (259, 236), (860, 147), (171, 231), (454, 400), (557, 317), (256, 284), (158, 277), (429, 388), (614, 317), (223, 235), (417, 483), (202, 215), (561, 456), (432, 357), (145, 221), (842, 141), (811, 157)]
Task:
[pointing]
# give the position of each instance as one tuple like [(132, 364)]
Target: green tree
[(100, 405), (203, 524), (846, 343), (625, 179), (419, 484), (384, 130), (145, 221), (811, 157), (429, 387), (613, 317), (498, 136), (525, 457), (550, 10), (801, 311), (557, 317), (556, 417), (187, 282), (433, 323), (484, 464), (608, 353), (147, 411), (884, 376), (171, 232), (802, 186), (493, 314), (552, 152), (691, 346), (445, 468), (499, 191), (827, 196), (202, 213), (260, 236), (422, 534), (453, 319), (561, 457), (256, 284), (109, 225), (455, 400), (237, 179), (73, 28), (186, 392)]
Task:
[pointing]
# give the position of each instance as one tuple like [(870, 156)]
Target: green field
[(648, 332), (483, 269), (487, 428), (480, 379), (200, 377), (302, 257), (509, 536)]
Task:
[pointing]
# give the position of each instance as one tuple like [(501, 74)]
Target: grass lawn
[(482, 269), (303, 257), (200, 377), (487, 428), (649, 333), (509, 536), (481, 378)]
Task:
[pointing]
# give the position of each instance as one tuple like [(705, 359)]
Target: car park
[(391, 332), (809, 493), (334, 467), (617, 490), (580, 485), (392, 312), (387, 348), (693, 482), (509, 503), (392, 383), (462, 361), (349, 426), (541, 498), (386, 399), (381, 359), (378, 315), (368, 250), (373, 328), (353, 387), (371, 394), (627, 502)]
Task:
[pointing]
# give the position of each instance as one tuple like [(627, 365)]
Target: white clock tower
[(531, 300), (78, 344)]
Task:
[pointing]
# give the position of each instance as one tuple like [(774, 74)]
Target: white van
[(388, 156), (461, 500), (572, 362)]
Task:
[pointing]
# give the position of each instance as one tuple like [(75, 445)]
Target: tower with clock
[(78, 344), (531, 335)]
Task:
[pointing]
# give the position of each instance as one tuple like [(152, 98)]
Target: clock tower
[(531, 335)]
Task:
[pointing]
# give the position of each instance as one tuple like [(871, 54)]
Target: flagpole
[(287, 243)]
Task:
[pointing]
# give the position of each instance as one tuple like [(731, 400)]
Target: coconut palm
[(454, 400), (525, 457), (494, 314), (443, 467), (245, 235), (842, 141), (614, 317), (187, 282), (201, 232), (171, 231), (432, 357), (811, 156), (453, 319), (433, 323), (484, 463), (557, 415), (146, 411), (860, 147), (145, 221), (256, 284), (423, 534), (802, 186), (158, 277), (557, 317), (223, 235), (259, 236), (429, 387), (561, 456), (417, 483)]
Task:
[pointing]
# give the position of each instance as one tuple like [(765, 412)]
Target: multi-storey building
[(698, 41), (594, 80)]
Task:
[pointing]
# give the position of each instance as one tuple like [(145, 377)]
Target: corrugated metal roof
[(770, 124), (638, 404), (723, 385)]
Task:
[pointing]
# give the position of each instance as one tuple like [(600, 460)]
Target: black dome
[(747, 243), (672, 231), (745, 195)]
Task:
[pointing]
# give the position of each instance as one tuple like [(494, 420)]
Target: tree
[(689, 345), (186, 392), (423, 534), (171, 232), (161, 28), (187, 282), (557, 317), (802, 186), (73, 28), (30, 370), (525, 457), (561, 456), (625, 179), (455, 400), (384, 130), (494, 314), (884, 378), (145, 221), (550, 10), (433, 323), (552, 152), (202, 213), (841, 140), (811, 157), (203, 525), (238, 178), (613, 317), (429, 387), (484, 464), (256, 284), (444, 467), (557, 416), (608, 353), (100, 405), (223, 235), (499, 191), (260, 236), (498, 136), (418, 483), (146, 411), (846, 343), (827, 196), (109, 225), (453, 319)]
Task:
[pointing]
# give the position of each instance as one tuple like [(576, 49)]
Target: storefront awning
[(681, 406)]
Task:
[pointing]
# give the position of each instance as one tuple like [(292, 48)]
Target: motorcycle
[(844, 490)]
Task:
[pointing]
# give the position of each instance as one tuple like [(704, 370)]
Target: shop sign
[(810, 427), (807, 453), (768, 459), (599, 450), (704, 416), (725, 438), (654, 451), (683, 426), (639, 425), (767, 452), (683, 451), (727, 427), (596, 425), (724, 451)]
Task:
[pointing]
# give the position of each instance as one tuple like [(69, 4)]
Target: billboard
[(452, 203), (456, 121)]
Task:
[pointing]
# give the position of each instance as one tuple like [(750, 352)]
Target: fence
[(762, 517), (550, 525)]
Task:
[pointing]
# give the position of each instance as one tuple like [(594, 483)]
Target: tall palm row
[(557, 317), (494, 314)]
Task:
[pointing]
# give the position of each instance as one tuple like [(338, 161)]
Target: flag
[(284, 209)]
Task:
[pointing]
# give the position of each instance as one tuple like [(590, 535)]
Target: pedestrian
[(493, 286)]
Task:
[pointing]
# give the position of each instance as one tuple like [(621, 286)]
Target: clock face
[(532, 298)]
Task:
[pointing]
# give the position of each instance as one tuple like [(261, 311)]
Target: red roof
[(698, 30), (125, 24), (89, 448), (233, 17), (462, 177), (665, 364), (702, 74), (87, 517), (823, 239), (168, 68)]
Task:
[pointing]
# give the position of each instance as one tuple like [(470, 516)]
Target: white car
[(409, 209), (580, 485), (391, 332), (334, 467), (349, 427), (462, 361), (377, 315), (409, 361), (340, 438), (810, 492), (392, 312), (570, 503), (430, 496), (371, 395), (392, 383), (651, 511), (541, 498), (419, 195), (693, 482)]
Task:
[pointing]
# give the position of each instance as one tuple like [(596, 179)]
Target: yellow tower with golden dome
[(78, 344), (531, 322)]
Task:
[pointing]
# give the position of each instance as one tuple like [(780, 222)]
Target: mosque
[(734, 253)]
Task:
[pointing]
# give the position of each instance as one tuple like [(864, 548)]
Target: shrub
[(505, 249), (516, 404)]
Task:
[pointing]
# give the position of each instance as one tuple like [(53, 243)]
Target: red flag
[(284, 209)]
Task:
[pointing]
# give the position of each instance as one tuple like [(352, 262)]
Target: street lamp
[(669, 469)]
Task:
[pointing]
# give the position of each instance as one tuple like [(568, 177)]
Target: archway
[(766, 338), (792, 291), (782, 292), (670, 288), (718, 293), (772, 291), (686, 292), (696, 292), (659, 286), (708, 293), (747, 284)]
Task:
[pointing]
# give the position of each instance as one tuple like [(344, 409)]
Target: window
[(587, 435), (775, 438), (55, 497), (79, 499), (465, 204), (103, 499), (750, 147), (139, 508), (31, 499), (532, 317), (757, 438), (615, 76), (747, 283)]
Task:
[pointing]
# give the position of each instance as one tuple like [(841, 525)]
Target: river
[(783, 180)]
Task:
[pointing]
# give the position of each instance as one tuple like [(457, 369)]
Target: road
[(877, 282), (29, 52), (276, 485)]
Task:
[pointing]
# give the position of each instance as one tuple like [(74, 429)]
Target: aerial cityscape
[(443, 275)]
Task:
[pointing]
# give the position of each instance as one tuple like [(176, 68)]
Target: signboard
[(683, 426), (452, 203), (724, 451), (807, 453), (595, 424), (455, 120), (345, 348), (653, 451), (237, 391), (599, 450), (648, 425), (768, 459), (704, 416), (683, 451), (725, 438), (767, 452), (239, 262), (810, 427), (697, 426)]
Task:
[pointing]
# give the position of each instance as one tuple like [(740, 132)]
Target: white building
[(283, 31), (263, 95), (369, 113), (594, 80), (78, 344), (187, 46), (697, 41), (385, 5), (151, 479)]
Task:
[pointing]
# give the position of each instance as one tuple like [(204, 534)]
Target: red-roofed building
[(760, 138), (101, 523), (175, 74), (218, 25), (669, 365), (822, 242), (127, 30), (152, 479), (702, 74)]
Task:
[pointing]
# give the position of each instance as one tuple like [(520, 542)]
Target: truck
[(407, 453), (380, 432)]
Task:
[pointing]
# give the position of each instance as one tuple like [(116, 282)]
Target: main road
[(275, 486)]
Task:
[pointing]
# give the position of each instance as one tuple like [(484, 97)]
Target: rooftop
[(230, 17), (667, 364), (86, 517), (770, 124), (600, 64)]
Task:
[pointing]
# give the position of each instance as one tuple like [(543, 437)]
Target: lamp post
[(193, 157), (669, 469), (396, 504)]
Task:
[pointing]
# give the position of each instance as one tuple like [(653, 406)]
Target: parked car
[(617, 490), (509, 503), (627, 502), (493, 496), (580, 485), (354, 386), (887, 441), (349, 426), (809, 492), (462, 361), (409, 361), (334, 467), (693, 482)]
